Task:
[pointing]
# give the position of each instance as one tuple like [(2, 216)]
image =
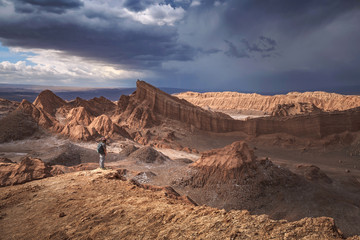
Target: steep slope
[(97, 205), (232, 178), (243, 101)]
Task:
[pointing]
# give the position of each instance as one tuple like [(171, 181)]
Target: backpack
[(100, 148)]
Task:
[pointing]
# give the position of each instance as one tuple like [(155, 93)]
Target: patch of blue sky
[(14, 57)]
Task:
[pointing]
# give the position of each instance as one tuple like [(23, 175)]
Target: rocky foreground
[(96, 204)]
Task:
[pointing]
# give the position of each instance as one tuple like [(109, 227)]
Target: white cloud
[(195, 3), (51, 66), (157, 15)]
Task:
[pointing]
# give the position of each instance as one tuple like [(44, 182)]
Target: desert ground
[(182, 166)]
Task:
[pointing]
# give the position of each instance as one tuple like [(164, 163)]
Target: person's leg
[(102, 159)]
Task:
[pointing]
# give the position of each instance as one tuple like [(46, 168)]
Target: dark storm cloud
[(54, 6), (291, 17), (233, 51), (247, 44), (261, 45), (109, 38)]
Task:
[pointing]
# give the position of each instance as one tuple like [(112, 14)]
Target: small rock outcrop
[(148, 155), (5, 160), (237, 164), (283, 110), (313, 173), (28, 169)]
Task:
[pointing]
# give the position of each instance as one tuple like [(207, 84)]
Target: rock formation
[(152, 104), (27, 170), (150, 107), (283, 110), (48, 102), (95, 106), (148, 155), (244, 101), (79, 116), (79, 119), (42, 118), (237, 164)]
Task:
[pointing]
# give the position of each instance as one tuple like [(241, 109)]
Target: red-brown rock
[(27, 170)]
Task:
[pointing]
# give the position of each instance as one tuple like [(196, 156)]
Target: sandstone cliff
[(243, 101), (148, 104)]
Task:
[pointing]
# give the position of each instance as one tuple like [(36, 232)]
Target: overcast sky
[(239, 45)]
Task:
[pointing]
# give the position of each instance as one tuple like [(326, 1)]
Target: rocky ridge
[(149, 107), (101, 205), (252, 101)]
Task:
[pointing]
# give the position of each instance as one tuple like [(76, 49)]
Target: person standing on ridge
[(101, 149)]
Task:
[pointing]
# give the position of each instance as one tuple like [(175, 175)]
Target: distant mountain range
[(18, 92)]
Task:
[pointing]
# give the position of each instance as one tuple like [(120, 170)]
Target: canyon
[(295, 158)]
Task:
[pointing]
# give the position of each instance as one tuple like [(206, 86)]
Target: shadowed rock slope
[(98, 205), (232, 178)]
